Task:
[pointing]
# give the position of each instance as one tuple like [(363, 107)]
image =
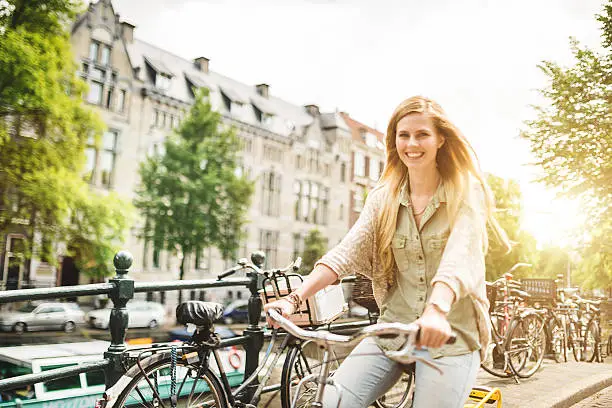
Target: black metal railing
[(120, 289)]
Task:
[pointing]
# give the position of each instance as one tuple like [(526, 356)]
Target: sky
[(477, 58)]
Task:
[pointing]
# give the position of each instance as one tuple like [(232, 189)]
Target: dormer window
[(234, 103), (266, 119), (371, 140), (162, 81), (160, 74)]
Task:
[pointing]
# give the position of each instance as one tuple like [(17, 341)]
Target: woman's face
[(417, 141)]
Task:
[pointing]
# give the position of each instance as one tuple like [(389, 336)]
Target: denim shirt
[(434, 253)]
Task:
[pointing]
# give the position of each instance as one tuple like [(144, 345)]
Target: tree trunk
[(181, 276)]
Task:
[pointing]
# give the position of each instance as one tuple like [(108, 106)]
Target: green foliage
[(190, 195), (571, 139), (508, 198), (315, 246), (43, 132)]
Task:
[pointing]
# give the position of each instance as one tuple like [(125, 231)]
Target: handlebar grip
[(451, 340), (227, 273)]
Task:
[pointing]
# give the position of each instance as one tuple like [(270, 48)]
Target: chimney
[(313, 110), (263, 90), (201, 63), (127, 32)]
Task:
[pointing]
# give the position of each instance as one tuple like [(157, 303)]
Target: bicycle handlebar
[(244, 264), (322, 337)]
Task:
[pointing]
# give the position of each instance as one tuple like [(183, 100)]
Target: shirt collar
[(439, 196)]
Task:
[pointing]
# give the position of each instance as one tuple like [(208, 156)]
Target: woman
[(421, 237)]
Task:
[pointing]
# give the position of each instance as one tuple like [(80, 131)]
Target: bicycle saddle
[(202, 314)]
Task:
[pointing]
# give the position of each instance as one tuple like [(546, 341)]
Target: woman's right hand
[(284, 306)]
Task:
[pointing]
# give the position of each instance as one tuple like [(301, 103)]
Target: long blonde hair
[(457, 164)]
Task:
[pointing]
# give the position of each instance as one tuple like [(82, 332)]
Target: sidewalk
[(556, 385)]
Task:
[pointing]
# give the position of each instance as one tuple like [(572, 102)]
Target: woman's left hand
[(435, 329)]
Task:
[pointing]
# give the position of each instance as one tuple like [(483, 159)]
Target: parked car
[(236, 312), (140, 314), (43, 316)]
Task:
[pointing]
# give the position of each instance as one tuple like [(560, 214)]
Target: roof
[(26, 354), (181, 69), (357, 128)]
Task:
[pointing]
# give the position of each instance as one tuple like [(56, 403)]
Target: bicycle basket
[(363, 294), (541, 290), (323, 307)]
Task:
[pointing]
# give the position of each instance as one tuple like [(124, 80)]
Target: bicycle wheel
[(305, 361), (495, 361), (195, 387), (591, 341), (558, 341), (526, 345), (575, 341)]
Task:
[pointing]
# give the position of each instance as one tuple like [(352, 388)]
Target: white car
[(140, 314), (43, 316)]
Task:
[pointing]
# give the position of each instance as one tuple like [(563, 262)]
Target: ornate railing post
[(121, 293), (254, 330)]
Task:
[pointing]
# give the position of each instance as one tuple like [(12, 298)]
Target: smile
[(415, 155)]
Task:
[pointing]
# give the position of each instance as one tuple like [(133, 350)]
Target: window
[(105, 55), (95, 93), (311, 202), (107, 160), (341, 217), (268, 242), (66, 383), (359, 170), (109, 98), (271, 183), (93, 51), (266, 119), (374, 170), (343, 173), (371, 140), (237, 108), (90, 160), (94, 378), (157, 118), (162, 81), (298, 244), (121, 100)]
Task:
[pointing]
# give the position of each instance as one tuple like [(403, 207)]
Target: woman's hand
[(283, 305), (435, 329)]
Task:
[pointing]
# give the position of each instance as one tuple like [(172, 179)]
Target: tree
[(315, 246), (508, 198), (191, 197), (44, 128), (571, 139)]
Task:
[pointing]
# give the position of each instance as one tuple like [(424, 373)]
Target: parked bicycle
[(191, 374), (518, 332)]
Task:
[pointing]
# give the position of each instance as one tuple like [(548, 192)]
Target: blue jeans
[(368, 373)]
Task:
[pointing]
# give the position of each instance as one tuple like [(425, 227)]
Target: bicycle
[(325, 340), (517, 351), (191, 374)]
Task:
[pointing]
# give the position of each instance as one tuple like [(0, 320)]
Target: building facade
[(306, 164)]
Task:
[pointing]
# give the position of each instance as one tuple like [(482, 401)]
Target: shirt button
[(421, 279), (420, 298), (420, 257)]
